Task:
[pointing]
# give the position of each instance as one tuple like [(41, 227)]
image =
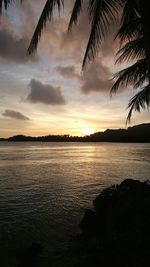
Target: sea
[(45, 189)]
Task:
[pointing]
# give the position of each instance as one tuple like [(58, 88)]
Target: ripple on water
[(45, 187)]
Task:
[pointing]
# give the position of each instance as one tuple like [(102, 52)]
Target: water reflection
[(45, 187)]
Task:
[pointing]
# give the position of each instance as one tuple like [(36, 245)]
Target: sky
[(48, 93)]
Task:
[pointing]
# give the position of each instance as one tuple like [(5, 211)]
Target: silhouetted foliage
[(137, 133), (133, 26), (136, 75)]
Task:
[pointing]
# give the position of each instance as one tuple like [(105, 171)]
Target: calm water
[(45, 188)]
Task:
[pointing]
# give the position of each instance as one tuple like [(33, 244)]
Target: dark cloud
[(13, 48), (96, 78), (73, 44), (45, 93), (15, 115), (68, 72)]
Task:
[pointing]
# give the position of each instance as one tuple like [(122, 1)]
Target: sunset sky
[(47, 93)]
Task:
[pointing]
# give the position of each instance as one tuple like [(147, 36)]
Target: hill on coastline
[(137, 133)]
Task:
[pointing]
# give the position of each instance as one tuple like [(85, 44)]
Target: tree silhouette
[(101, 15), (133, 49), (134, 28)]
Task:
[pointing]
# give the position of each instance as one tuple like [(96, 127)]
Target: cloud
[(68, 72), (55, 41), (15, 115), (45, 93), (16, 33), (74, 42), (96, 78), (13, 48)]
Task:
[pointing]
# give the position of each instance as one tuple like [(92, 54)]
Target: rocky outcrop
[(120, 225)]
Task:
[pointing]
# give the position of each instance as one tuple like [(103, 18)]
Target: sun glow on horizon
[(88, 131)]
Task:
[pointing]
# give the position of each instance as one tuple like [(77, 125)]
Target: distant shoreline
[(136, 134)]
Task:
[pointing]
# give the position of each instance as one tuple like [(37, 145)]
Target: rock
[(121, 221), (89, 221)]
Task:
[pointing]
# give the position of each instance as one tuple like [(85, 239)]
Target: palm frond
[(140, 100), (75, 13), (130, 22), (130, 11), (135, 75), (101, 14), (131, 50), (141, 81), (127, 32), (46, 15), (6, 4)]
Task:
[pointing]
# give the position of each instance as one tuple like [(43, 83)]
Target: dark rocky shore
[(117, 231)]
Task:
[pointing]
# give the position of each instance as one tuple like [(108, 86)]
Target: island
[(135, 134)]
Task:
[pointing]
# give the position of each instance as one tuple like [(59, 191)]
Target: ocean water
[(46, 187)]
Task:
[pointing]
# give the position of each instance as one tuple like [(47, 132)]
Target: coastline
[(116, 231), (136, 134)]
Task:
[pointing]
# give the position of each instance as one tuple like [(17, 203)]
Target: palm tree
[(101, 15), (137, 74), (145, 21), (134, 23), (6, 4)]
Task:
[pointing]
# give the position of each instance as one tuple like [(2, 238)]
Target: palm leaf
[(131, 50), (75, 13), (6, 4), (127, 32), (130, 22), (140, 100), (135, 75), (101, 14), (46, 15)]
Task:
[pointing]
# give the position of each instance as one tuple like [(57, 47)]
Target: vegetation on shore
[(138, 133)]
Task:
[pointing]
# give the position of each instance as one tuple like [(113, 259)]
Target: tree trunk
[(145, 13)]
